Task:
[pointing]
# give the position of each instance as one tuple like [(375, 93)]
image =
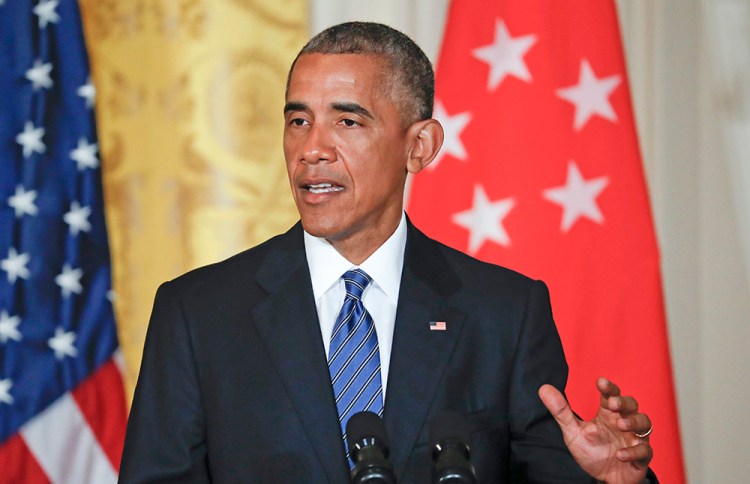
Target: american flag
[(62, 404)]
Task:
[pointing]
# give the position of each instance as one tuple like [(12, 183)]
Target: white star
[(577, 197), (505, 56), (111, 296), (85, 154), (23, 202), (62, 343), (5, 386), (15, 265), (69, 280), (9, 327), (590, 96), (453, 127), (31, 139), (484, 220), (78, 218), (45, 10), (87, 92), (39, 75)]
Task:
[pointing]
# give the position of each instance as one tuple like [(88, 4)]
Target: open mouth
[(323, 188)]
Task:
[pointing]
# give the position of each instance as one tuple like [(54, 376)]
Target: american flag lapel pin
[(438, 326)]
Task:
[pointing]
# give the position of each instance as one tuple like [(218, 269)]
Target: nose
[(318, 146)]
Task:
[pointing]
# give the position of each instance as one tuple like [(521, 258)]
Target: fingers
[(638, 423), (559, 408), (640, 454), (606, 389), (611, 399), (630, 420), (622, 405)]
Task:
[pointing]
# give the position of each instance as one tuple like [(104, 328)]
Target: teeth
[(323, 188), (326, 190)]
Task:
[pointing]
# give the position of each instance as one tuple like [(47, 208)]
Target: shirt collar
[(384, 265)]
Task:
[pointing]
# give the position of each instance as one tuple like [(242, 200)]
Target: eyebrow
[(295, 106), (353, 108), (344, 107)]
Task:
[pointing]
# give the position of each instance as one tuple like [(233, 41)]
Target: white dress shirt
[(380, 298)]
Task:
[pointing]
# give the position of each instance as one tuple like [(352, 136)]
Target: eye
[(298, 121), (349, 123)]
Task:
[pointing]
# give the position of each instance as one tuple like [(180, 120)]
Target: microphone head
[(449, 425), (366, 428), (449, 437)]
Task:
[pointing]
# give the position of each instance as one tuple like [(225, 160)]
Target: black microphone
[(368, 448), (450, 452)]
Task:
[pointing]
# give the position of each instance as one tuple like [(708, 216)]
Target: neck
[(359, 248)]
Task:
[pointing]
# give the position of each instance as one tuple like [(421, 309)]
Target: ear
[(426, 140)]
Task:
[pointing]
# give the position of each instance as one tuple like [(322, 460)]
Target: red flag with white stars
[(540, 172)]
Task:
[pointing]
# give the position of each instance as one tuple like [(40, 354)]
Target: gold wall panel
[(189, 109)]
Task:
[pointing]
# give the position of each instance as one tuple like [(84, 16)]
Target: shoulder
[(469, 271), (239, 270), (475, 269)]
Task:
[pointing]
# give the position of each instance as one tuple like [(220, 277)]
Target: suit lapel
[(419, 355), (288, 325)]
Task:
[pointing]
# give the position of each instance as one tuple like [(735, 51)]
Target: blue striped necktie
[(354, 355)]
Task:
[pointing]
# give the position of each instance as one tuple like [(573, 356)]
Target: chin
[(326, 229)]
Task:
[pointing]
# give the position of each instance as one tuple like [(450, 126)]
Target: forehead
[(317, 74)]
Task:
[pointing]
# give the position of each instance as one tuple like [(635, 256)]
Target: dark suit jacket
[(234, 385)]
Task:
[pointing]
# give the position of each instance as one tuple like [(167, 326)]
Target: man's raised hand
[(614, 446)]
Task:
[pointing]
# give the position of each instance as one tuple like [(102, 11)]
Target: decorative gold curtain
[(189, 110)]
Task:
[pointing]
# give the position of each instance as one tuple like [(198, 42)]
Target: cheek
[(288, 149), (291, 141), (290, 156), (290, 166), (291, 172)]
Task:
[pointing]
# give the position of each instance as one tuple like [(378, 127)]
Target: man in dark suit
[(235, 384)]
